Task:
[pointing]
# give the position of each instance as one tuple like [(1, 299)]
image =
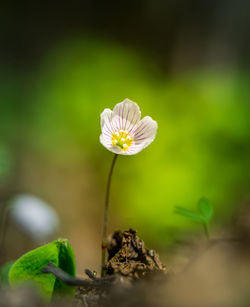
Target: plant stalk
[(206, 231), (105, 220)]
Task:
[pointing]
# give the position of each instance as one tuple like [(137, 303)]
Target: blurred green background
[(182, 62)]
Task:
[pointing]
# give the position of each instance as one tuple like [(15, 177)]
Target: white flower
[(36, 218), (123, 130)]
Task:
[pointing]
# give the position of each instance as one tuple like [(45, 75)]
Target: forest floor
[(216, 274)]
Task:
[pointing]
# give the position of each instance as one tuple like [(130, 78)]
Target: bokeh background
[(186, 63)]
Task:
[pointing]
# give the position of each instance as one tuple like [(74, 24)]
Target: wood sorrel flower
[(123, 130)]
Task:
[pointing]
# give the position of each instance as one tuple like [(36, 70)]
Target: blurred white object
[(37, 219)]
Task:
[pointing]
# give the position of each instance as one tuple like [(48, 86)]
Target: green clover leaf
[(202, 216)]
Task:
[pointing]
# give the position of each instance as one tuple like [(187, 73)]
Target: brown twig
[(90, 274), (72, 281)]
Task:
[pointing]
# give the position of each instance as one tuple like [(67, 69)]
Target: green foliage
[(194, 216), (67, 264), (202, 216), (4, 273), (28, 267)]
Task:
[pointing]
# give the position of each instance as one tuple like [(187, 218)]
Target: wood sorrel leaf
[(206, 209), (27, 269), (67, 264), (194, 216)]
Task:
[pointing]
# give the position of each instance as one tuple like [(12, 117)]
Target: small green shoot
[(202, 216)]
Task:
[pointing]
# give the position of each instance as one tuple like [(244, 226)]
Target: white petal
[(106, 122), (126, 115), (105, 140), (143, 135)]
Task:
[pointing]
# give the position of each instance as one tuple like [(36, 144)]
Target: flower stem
[(105, 221)]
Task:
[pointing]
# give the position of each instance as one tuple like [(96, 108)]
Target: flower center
[(122, 139)]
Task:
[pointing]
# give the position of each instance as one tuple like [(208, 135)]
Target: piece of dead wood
[(128, 256)]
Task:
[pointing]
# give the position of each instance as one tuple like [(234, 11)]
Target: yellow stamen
[(122, 139)]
